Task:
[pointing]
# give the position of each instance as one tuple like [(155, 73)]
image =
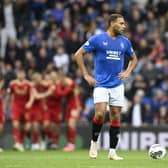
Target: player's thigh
[(16, 124), (101, 98), (35, 125), (100, 110), (1, 127), (71, 123), (26, 115), (74, 113), (27, 126), (46, 124)]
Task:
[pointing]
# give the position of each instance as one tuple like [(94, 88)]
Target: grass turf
[(77, 159)]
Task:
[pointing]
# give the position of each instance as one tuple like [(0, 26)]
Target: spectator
[(88, 111), (150, 74), (22, 17), (58, 12), (158, 99), (38, 8), (61, 60), (163, 115), (12, 51), (93, 29), (42, 59), (72, 44), (7, 23), (136, 116)]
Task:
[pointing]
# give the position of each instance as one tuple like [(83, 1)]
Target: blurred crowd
[(41, 35)]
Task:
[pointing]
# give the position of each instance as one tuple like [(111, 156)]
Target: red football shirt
[(40, 89), (72, 94), (54, 100), (20, 91)]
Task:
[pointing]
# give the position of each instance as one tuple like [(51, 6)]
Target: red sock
[(71, 135), (16, 135), (35, 137), (115, 124), (97, 121)]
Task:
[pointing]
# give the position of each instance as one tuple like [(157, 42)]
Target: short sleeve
[(130, 51), (90, 45)]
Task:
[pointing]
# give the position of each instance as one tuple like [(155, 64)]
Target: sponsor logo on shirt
[(113, 55)]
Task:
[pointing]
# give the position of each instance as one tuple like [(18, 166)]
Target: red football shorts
[(36, 113), (20, 113), (52, 115)]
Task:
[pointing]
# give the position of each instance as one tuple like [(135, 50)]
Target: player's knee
[(115, 117), (1, 128), (46, 124), (100, 110), (99, 115), (72, 123), (75, 113), (15, 124), (27, 127), (35, 126)]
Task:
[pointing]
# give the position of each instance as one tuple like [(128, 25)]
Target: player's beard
[(118, 31)]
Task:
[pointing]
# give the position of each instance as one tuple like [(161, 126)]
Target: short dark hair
[(114, 17)]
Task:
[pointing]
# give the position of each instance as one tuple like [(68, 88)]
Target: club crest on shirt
[(105, 43)]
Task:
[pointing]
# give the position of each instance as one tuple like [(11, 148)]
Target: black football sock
[(114, 132), (96, 128)]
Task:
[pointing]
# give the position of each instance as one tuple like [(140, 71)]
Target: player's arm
[(31, 95), (65, 88), (45, 94), (79, 56), (132, 61), (31, 99), (77, 101), (131, 66)]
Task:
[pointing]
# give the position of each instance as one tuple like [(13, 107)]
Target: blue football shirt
[(109, 56)]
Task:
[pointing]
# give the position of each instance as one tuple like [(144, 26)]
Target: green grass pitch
[(78, 159)]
